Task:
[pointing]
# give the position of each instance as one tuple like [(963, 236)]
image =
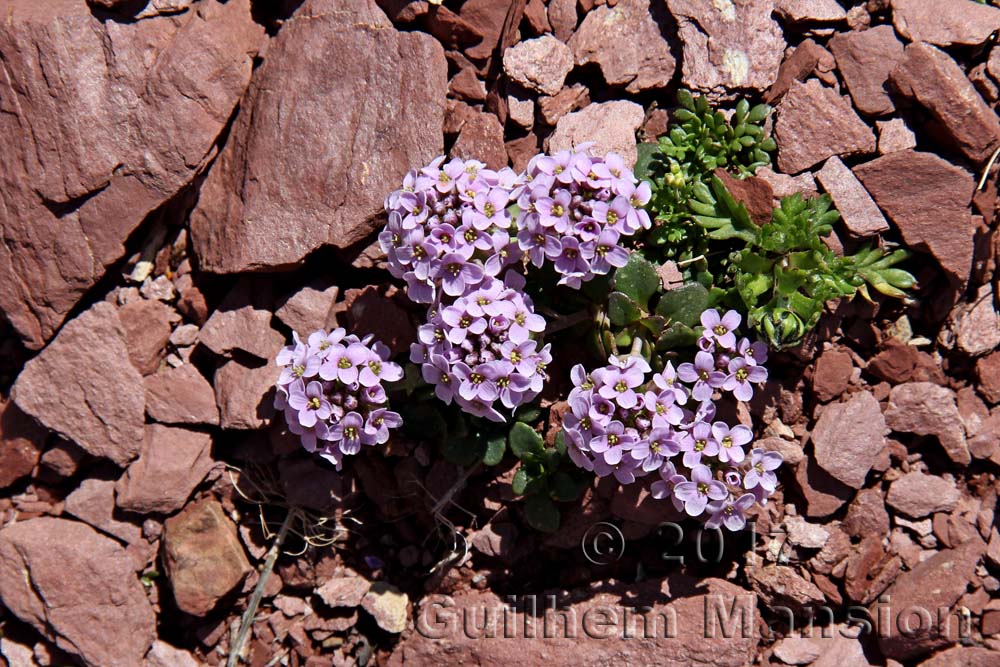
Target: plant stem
[(258, 592)]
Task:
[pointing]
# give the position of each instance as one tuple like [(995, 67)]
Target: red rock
[(810, 11), (309, 308), (563, 18), (294, 176), (936, 82), (898, 362), (487, 18), (972, 409), (917, 495), (450, 29), (567, 100), (147, 327), (520, 151), (928, 409), (869, 570), (832, 374), (521, 108), (754, 193), (467, 85), (310, 484), (918, 190), (963, 656), (988, 374), (153, 112), (245, 395), (794, 650), (866, 515), (181, 395), (83, 387), (894, 135), (539, 64), (628, 43), (21, 443), (94, 503), (728, 48), (35, 557), (782, 586), (193, 305), (203, 558), (823, 493), (594, 618), (848, 437), (936, 583), (404, 11), (481, 138), (538, 19), (172, 463), (611, 125), (977, 324), (945, 22), (806, 59), (815, 123), (163, 654), (344, 591), (865, 59), (243, 328), (857, 209), (986, 443), (61, 460), (495, 540)]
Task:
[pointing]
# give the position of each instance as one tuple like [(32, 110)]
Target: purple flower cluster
[(481, 349), (449, 227), (575, 209), (331, 392), (625, 421)]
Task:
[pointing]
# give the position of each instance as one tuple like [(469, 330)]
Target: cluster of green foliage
[(780, 273)]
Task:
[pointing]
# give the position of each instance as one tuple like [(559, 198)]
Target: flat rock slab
[(925, 408), (103, 122), (203, 557), (936, 583), (611, 125), (858, 210), (173, 461), (936, 82), (62, 577), (945, 22), (84, 387), (627, 42), (539, 64), (815, 123), (865, 59), (848, 437), (927, 198), (342, 107), (181, 395), (917, 495), (597, 623), (728, 46)]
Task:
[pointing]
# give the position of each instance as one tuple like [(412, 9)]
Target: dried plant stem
[(258, 592), (986, 171)]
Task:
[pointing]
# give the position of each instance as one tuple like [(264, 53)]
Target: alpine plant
[(331, 392), (629, 422)]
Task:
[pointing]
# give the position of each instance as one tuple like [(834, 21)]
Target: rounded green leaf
[(541, 513), (524, 440), (638, 279), (496, 447)]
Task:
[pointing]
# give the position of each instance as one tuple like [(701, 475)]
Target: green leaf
[(528, 415), (675, 336), (541, 513), (622, 311), (520, 481), (566, 487), (684, 304), (637, 279), (647, 151), (525, 441), (496, 447), (463, 451)]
